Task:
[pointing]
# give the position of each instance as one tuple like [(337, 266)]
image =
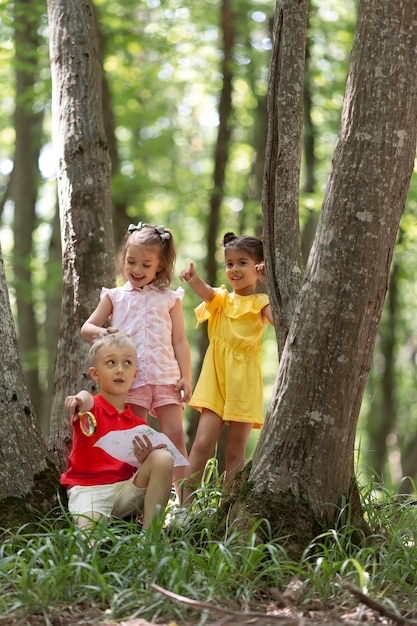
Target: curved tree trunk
[(303, 468), (84, 196)]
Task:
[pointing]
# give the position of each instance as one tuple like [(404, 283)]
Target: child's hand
[(74, 404), (142, 447), (79, 403), (111, 330), (260, 271), (188, 274), (184, 386)]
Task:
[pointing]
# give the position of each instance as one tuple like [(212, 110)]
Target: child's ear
[(93, 373)]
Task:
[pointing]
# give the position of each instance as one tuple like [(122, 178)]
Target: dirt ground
[(281, 612), (91, 617)]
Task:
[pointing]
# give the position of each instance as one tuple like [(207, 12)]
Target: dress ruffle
[(233, 305)]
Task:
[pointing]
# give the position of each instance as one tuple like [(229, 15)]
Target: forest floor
[(368, 613)]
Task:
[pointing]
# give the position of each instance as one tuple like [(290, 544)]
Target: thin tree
[(303, 468), (282, 162), (24, 186), (221, 157)]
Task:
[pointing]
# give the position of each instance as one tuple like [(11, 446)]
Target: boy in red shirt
[(97, 483)]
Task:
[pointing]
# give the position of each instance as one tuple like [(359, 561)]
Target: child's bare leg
[(237, 439), (86, 519), (140, 411), (155, 475), (170, 423), (208, 432)]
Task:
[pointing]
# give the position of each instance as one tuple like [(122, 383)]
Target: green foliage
[(162, 63), (55, 565)]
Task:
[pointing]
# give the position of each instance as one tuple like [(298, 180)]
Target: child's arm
[(267, 312), (197, 284), (93, 327), (81, 402), (181, 350)]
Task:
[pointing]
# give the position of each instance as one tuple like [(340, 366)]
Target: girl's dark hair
[(252, 245), (150, 235)]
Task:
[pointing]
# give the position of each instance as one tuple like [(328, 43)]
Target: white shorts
[(116, 500)]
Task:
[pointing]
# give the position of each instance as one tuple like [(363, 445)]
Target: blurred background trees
[(184, 89)]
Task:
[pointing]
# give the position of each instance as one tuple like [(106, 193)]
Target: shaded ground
[(282, 612)]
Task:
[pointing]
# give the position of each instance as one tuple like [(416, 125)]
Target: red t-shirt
[(88, 465)]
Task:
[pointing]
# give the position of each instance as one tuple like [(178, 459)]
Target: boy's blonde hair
[(117, 339)]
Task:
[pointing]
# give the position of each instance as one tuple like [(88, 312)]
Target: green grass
[(54, 565)]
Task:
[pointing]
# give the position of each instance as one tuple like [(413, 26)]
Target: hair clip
[(132, 228), (162, 232), (159, 229)]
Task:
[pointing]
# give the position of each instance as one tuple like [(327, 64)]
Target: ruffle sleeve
[(204, 310), (233, 306), (179, 293)]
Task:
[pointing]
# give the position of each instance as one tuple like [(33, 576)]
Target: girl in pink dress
[(151, 314)]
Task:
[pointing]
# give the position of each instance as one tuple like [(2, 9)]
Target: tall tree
[(24, 185), (282, 162), (28, 478), (84, 195), (303, 467), (220, 164)]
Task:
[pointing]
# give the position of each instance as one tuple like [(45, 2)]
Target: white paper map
[(118, 443)]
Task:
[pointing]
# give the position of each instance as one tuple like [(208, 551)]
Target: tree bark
[(282, 162), (303, 468), (53, 299), (29, 482), (84, 172)]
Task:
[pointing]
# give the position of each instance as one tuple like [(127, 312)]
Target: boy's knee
[(162, 458)]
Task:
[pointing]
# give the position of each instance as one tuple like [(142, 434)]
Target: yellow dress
[(230, 382)]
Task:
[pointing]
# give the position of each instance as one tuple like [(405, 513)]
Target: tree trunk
[(220, 163), (303, 468), (382, 419), (29, 482), (310, 161), (282, 162), (28, 126), (84, 196), (53, 298)]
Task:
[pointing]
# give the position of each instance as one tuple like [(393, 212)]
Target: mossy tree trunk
[(303, 468)]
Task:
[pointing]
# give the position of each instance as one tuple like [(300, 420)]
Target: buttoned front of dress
[(144, 315)]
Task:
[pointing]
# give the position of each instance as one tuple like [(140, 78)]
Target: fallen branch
[(377, 606), (196, 604)]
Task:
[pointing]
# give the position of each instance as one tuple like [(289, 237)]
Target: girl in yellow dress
[(229, 389)]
